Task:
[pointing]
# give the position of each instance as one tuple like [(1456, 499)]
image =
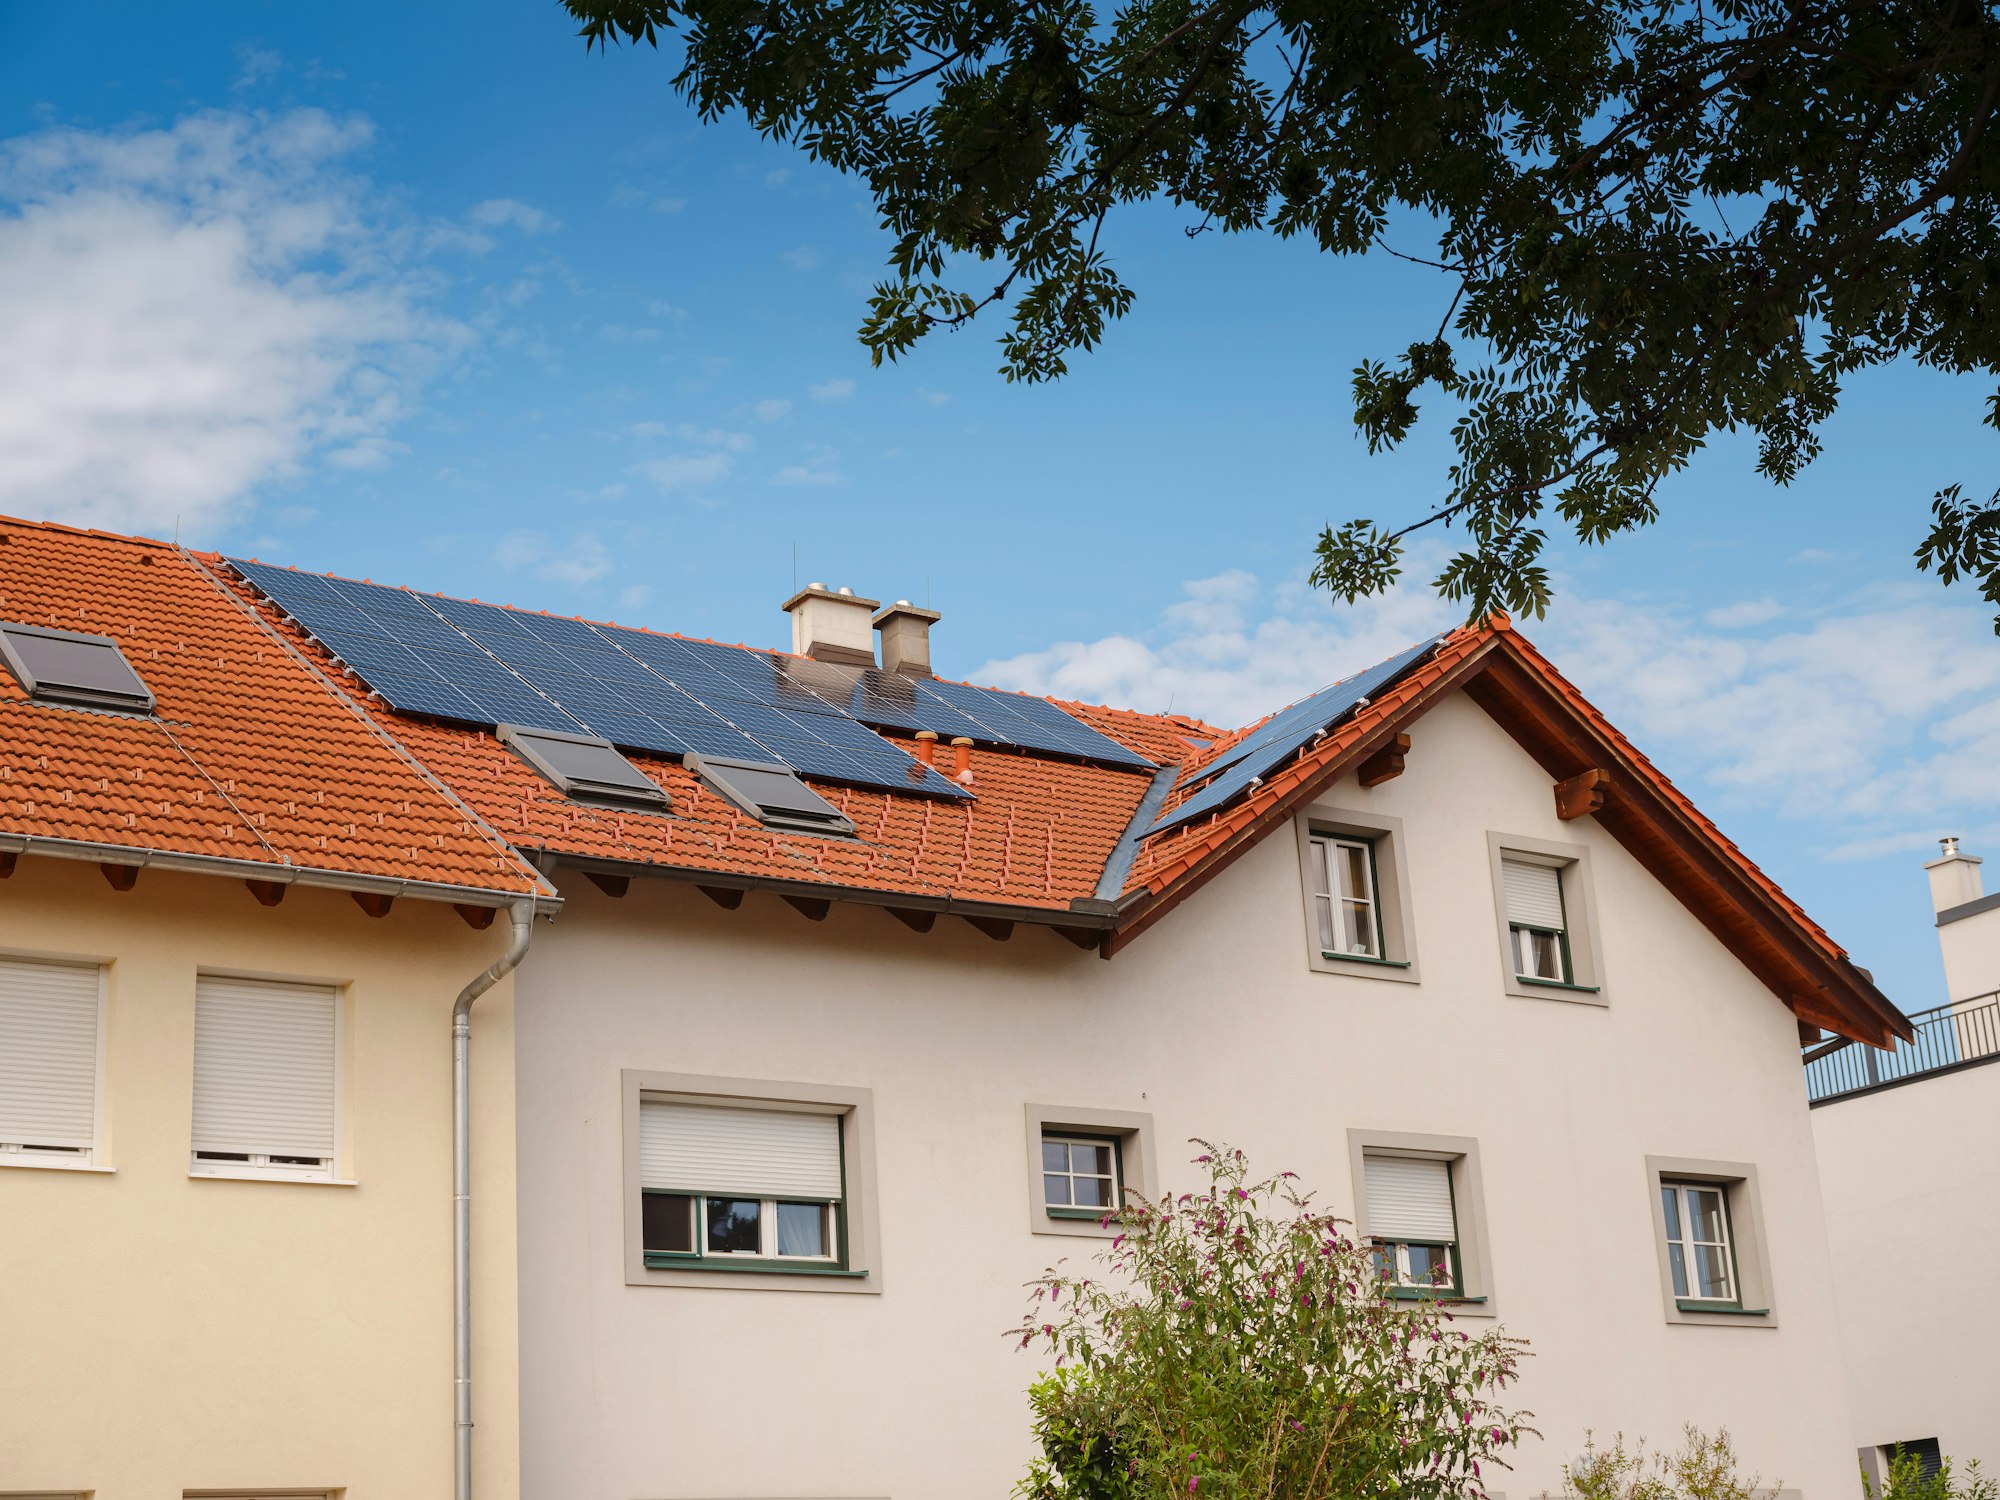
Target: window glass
[(1345, 897), (1079, 1174), (668, 1223), (1699, 1257), (802, 1229), (734, 1227)]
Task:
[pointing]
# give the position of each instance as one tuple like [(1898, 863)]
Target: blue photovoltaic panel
[(1279, 737), (484, 664)]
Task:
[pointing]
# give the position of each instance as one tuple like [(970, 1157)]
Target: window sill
[(346, 1182), (49, 1164), (1082, 1215), (1722, 1310), (1556, 984), (1363, 958), (669, 1262), (1420, 1294)]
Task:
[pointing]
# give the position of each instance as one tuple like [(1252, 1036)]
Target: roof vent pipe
[(906, 638), (832, 625), (961, 760), (927, 746)]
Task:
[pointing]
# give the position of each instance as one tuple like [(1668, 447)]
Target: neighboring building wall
[(1214, 1024), (162, 1333), (1968, 927), (1912, 1188)]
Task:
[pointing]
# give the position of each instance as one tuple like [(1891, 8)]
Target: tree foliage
[(1705, 1468), (1659, 220), (1236, 1343)]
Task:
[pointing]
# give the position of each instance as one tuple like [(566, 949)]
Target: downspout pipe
[(522, 914)]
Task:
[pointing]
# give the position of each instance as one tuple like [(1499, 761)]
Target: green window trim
[(1556, 984), (668, 1260), (1363, 958), (1428, 1294), (1367, 841), (1726, 1309), (1454, 1290), (1088, 1215)]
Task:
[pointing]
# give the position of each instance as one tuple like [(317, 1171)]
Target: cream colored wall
[(161, 1333), (1971, 948), (1912, 1188), (1213, 1024)]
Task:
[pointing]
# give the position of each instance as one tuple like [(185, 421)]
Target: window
[(1413, 1223), (68, 666), (48, 1062), (1700, 1260), (1708, 1224), (1343, 896), (1548, 933), (1418, 1200), (265, 1078), (1080, 1176), (730, 1186), (771, 793), (1083, 1164), (1927, 1452), (1357, 900), (1536, 928), (582, 766)]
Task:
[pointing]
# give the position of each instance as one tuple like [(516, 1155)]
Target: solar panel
[(484, 664), (1279, 737)]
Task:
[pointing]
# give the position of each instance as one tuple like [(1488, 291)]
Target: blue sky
[(426, 294)]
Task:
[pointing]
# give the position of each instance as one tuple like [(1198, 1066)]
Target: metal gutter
[(547, 901), (1084, 911), (1112, 882), (1970, 908), (523, 915)]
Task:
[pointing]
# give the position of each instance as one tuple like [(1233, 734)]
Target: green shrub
[(1238, 1344), (1704, 1469), (1906, 1480)]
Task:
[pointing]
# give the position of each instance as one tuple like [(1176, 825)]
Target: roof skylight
[(580, 766), (68, 666), (771, 793)]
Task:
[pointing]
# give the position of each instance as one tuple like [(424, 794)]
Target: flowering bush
[(1239, 1345), (1704, 1469), (1910, 1479)]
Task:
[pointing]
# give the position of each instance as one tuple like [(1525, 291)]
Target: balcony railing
[(1949, 1036)]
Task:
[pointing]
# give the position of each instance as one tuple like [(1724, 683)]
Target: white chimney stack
[(1954, 877), (906, 638), (832, 625)]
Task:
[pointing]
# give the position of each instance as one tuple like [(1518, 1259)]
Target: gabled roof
[(250, 757), (266, 757)]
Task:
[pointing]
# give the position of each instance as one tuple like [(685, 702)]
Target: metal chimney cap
[(1950, 846)]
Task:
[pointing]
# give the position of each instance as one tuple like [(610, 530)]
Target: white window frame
[(1578, 936), (856, 1227), (1518, 932), (1754, 1305), (1472, 1260), (1324, 827), (1053, 1136), (1331, 898), (260, 1167), (1683, 1193), (94, 1157)]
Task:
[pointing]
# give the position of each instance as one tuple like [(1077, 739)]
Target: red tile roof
[(251, 756)]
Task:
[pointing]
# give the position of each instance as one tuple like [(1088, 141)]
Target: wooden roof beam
[(1582, 794), (1385, 764)]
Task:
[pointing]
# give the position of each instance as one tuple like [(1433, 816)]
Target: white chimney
[(1954, 877), (906, 638), (832, 625)]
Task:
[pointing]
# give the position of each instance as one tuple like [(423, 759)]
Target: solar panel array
[(488, 665), (1279, 737)]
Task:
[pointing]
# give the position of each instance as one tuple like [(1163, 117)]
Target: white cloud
[(832, 390), (684, 472), (1879, 723), (635, 597), (805, 258), (583, 559), (808, 476), (771, 409), (512, 213), (778, 178), (618, 333), (255, 65), (193, 311)]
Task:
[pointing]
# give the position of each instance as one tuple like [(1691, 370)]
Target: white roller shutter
[(1534, 894), (761, 1153), (1409, 1199), (263, 1067), (48, 1053)]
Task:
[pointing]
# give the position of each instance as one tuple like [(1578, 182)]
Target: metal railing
[(1947, 1036)]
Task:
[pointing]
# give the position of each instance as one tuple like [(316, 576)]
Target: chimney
[(1954, 877), (906, 638), (831, 625)]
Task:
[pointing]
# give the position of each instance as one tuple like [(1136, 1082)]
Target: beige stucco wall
[(1214, 1024), (160, 1333), (1971, 951), (1912, 1189)]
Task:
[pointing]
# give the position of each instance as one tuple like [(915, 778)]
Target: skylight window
[(67, 666), (771, 793), (580, 766)]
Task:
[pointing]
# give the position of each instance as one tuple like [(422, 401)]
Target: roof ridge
[(65, 529)]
